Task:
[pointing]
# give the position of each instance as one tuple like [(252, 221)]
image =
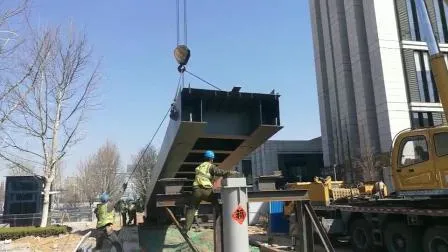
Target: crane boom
[(438, 64)]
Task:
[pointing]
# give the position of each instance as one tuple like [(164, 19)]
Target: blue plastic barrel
[(278, 223)]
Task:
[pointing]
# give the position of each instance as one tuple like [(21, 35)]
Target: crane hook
[(182, 55)]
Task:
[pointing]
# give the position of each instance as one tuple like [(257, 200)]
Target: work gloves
[(234, 173)]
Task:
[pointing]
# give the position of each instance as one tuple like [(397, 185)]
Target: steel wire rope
[(178, 20), (178, 31), (203, 80), (186, 42), (147, 147), (185, 22), (150, 142)]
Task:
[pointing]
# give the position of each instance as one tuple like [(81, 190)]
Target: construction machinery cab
[(420, 161)]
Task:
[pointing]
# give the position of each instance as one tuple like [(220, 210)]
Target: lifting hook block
[(182, 55)]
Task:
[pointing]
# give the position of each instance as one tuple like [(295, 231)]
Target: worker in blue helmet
[(106, 238), (203, 187)]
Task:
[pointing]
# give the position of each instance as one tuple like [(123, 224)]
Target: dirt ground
[(283, 241), (169, 239), (157, 239), (54, 244), (67, 242)]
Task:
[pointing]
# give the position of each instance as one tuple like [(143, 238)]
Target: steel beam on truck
[(232, 124)]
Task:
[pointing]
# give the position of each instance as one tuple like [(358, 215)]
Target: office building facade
[(373, 74), (297, 160)]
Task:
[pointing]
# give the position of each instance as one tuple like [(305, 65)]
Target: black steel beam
[(233, 124), (168, 200)]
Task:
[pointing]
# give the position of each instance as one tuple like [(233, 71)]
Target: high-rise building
[(373, 74)]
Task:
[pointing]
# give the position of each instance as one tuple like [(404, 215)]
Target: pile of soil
[(54, 243)]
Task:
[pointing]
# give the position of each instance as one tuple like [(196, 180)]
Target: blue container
[(278, 223)]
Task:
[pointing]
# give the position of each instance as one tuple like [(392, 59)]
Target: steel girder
[(232, 124)]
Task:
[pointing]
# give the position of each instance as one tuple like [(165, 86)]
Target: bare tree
[(52, 104), (101, 173), (13, 32), (21, 168), (57, 186), (2, 193), (9, 33), (142, 173), (88, 181), (107, 164), (72, 194), (370, 164)]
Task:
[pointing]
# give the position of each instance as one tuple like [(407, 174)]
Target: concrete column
[(234, 214)]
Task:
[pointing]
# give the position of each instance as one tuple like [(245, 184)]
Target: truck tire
[(361, 236), (400, 237), (435, 239)]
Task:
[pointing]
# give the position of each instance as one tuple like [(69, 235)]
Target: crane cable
[(182, 52), (178, 22), (145, 150), (172, 110), (152, 139), (182, 55)]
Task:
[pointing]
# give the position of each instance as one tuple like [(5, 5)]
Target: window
[(413, 20), (23, 185), (246, 166), (422, 120), (441, 15), (441, 143), (413, 150), (427, 119), (441, 9), (24, 196), (425, 79)]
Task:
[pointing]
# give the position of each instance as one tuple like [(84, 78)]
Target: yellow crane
[(415, 219), (419, 157)]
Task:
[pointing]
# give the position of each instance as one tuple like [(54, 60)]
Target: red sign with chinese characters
[(239, 215)]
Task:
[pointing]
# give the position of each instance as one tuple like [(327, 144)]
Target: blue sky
[(257, 44)]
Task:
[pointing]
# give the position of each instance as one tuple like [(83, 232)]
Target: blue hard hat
[(104, 197), (209, 154)]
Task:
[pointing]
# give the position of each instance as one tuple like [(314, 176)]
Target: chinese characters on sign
[(239, 215)]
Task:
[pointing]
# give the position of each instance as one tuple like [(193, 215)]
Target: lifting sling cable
[(181, 52), (173, 113), (178, 24)]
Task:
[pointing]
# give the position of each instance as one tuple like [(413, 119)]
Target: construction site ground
[(157, 239), (169, 239), (280, 242), (66, 242)]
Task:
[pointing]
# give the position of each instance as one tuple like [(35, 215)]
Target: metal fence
[(17, 220), (80, 214), (57, 216)]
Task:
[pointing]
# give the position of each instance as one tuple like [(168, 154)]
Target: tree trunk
[(46, 204)]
